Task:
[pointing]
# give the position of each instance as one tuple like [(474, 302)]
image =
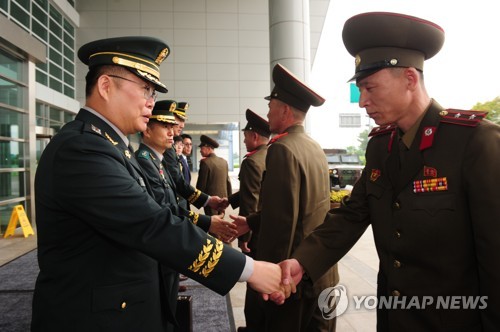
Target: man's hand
[(291, 275), (217, 203), (266, 277), (224, 230), (241, 224), (244, 246)]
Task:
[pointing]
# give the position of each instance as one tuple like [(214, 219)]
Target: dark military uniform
[(213, 175), (430, 196), (101, 235), (295, 197), (439, 240)]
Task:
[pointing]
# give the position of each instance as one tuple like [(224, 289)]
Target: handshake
[(276, 282)]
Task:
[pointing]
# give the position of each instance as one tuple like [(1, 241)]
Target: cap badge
[(393, 62), (162, 56), (357, 60), (173, 106)]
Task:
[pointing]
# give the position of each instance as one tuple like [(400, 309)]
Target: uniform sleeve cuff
[(247, 270)]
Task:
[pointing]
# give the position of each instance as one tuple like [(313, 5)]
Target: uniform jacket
[(295, 197), (101, 236), (164, 188), (213, 176), (433, 243), (251, 175), (192, 195)]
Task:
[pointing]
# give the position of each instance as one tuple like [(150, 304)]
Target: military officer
[(213, 174), (187, 194), (252, 170), (429, 189), (295, 197), (100, 233), (158, 137)]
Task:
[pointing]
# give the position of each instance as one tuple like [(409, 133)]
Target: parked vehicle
[(344, 169)]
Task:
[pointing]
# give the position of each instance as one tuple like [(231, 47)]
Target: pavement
[(358, 274)]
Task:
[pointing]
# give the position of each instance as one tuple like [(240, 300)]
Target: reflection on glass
[(11, 123), (12, 154), (11, 93)]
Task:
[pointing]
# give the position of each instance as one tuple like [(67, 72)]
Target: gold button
[(124, 305), (397, 264), (396, 293), (396, 205), (398, 234)]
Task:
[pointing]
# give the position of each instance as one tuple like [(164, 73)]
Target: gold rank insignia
[(127, 154), (207, 259), (110, 139)]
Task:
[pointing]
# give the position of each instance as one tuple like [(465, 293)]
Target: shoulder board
[(382, 130), (277, 137), (461, 117), (143, 154), (91, 128)]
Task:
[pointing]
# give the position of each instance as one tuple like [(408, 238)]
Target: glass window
[(4, 5), (350, 120), (11, 67), (39, 30), (41, 77), (11, 93), (20, 15), (69, 28), (68, 52), (69, 91), (55, 84), (12, 154), (55, 28), (55, 15), (55, 42), (11, 123), (69, 79), (54, 56), (69, 66), (42, 3), (24, 3), (55, 71), (39, 14)]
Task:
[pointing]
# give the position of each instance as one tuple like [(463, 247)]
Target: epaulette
[(382, 130), (461, 117), (144, 154), (277, 137)]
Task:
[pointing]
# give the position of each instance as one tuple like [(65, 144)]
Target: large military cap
[(141, 55), (292, 91), (257, 124), (181, 109), (380, 40), (163, 111), (207, 141)]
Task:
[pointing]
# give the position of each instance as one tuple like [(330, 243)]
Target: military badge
[(374, 175), (430, 172), (94, 128), (127, 154), (429, 185), (427, 137)]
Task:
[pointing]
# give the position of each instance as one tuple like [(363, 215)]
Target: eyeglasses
[(149, 92)]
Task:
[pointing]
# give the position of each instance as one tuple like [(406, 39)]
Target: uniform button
[(396, 293), (397, 264), (397, 234), (124, 305), (396, 205)]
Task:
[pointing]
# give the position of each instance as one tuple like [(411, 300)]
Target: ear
[(103, 86), (412, 77)]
